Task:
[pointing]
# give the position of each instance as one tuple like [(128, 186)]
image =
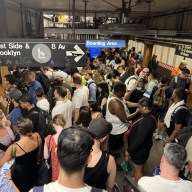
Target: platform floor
[(154, 160)]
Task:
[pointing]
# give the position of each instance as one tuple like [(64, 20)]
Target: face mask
[(139, 88)]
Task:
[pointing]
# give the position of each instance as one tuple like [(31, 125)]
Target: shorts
[(140, 158), (116, 141)]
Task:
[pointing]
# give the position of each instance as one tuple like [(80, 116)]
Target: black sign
[(184, 50), (42, 52)]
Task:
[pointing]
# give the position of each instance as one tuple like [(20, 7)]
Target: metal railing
[(130, 184), (116, 188)]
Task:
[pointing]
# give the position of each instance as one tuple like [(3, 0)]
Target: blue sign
[(105, 43), (94, 52)]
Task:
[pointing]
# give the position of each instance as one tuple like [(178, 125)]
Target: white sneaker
[(155, 134), (160, 137)]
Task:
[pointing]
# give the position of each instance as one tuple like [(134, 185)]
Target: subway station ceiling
[(106, 6)]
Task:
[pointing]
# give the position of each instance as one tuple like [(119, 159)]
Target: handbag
[(45, 169), (126, 166)]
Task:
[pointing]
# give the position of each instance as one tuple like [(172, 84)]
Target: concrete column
[(3, 72), (3, 20), (41, 25), (147, 54)]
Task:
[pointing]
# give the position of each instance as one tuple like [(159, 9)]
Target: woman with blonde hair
[(50, 146), (6, 134), (26, 153)]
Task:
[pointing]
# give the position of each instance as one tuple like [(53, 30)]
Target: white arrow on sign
[(78, 53)]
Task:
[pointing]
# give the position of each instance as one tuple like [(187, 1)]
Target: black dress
[(25, 173), (97, 176), (140, 139)]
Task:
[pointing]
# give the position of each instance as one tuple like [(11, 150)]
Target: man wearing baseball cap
[(15, 114), (101, 170)]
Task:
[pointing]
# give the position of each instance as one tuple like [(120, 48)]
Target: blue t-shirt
[(15, 115), (32, 89)]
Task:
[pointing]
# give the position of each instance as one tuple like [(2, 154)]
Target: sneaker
[(160, 137), (157, 137), (155, 134)]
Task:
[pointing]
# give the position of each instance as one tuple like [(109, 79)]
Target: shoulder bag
[(45, 169)]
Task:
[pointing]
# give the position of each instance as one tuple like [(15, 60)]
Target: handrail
[(116, 187), (132, 183)]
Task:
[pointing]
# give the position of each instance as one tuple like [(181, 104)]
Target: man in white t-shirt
[(172, 162), (42, 102), (80, 96), (74, 153), (63, 105)]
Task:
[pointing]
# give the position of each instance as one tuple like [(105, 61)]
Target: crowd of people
[(80, 120)]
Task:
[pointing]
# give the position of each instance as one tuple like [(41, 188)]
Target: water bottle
[(156, 171)]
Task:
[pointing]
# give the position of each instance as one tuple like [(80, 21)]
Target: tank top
[(119, 126), (26, 170), (97, 176)]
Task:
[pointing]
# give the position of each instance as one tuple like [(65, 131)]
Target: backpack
[(128, 80), (44, 124), (45, 82), (160, 100), (185, 132), (92, 82)]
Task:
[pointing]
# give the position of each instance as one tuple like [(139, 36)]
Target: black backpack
[(45, 82), (44, 125), (185, 132)]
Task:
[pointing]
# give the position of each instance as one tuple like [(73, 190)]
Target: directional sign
[(184, 50), (78, 53), (105, 44), (41, 52)]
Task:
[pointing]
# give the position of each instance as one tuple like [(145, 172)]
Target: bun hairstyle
[(24, 127)]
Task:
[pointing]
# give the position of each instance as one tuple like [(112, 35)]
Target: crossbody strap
[(141, 119), (154, 119), (135, 122), (3, 147)]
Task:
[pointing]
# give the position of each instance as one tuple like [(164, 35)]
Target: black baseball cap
[(100, 128), (143, 80)]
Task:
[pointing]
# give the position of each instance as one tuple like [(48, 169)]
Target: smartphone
[(5, 167)]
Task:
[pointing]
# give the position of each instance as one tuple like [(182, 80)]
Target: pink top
[(54, 158)]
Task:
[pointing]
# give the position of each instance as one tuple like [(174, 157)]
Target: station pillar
[(3, 71), (148, 49), (3, 20)]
